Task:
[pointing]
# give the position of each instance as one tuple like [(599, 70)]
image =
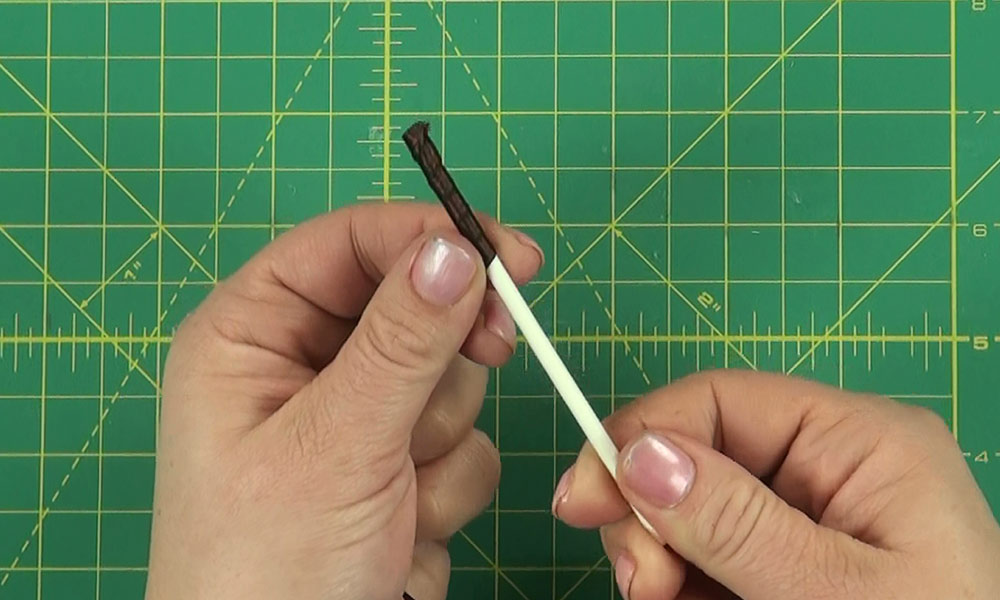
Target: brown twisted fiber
[(426, 154)]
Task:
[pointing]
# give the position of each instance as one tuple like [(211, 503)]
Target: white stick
[(556, 370)]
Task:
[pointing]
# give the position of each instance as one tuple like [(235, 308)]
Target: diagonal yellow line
[(583, 578), (100, 288), (104, 169), (496, 568), (725, 113), (569, 267), (781, 57), (133, 363), (694, 308), (871, 289)]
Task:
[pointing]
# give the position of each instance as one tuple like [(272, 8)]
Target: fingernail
[(498, 319), (562, 491), (527, 240), (624, 572), (658, 470), (442, 272)]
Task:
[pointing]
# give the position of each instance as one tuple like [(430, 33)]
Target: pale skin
[(317, 441)]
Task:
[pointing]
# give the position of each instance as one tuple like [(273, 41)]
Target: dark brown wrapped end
[(426, 154)]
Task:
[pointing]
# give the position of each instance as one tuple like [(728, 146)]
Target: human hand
[(762, 486), (316, 435)]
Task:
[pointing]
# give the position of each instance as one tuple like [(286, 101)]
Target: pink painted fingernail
[(562, 491), (442, 272), (658, 471), (624, 572), (527, 240), (498, 320)]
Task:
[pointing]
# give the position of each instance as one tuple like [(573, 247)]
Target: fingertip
[(485, 348), (588, 497), (529, 242), (497, 320), (520, 253), (644, 570), (493, 338)]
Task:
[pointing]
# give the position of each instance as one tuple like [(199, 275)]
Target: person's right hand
[(763, 486)]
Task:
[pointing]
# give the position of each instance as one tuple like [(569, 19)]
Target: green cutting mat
[(802, 185)]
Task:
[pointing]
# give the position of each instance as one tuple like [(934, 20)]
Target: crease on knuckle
[(929, 421), (396, 340), (733, 521)]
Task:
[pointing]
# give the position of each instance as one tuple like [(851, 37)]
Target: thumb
[(367, 400), (725, 521)]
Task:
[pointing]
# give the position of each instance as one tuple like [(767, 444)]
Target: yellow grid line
[(840, 186), (895, 265), (429, 56), (555, 257), (511, 113), (485, 169), (42, 429), (954, 214), (386, 98), (79, 340), (160, 313), (782, 193), (50, 117), (668, 238), (725, 182), (103, 350), (499, 207), (413, 1), (274, 107)]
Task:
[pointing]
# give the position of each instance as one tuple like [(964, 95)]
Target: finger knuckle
[(911, 428), (396, 340), (733, 520), (928, 421)]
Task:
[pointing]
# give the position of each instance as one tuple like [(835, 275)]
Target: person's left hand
[(317, 432)]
